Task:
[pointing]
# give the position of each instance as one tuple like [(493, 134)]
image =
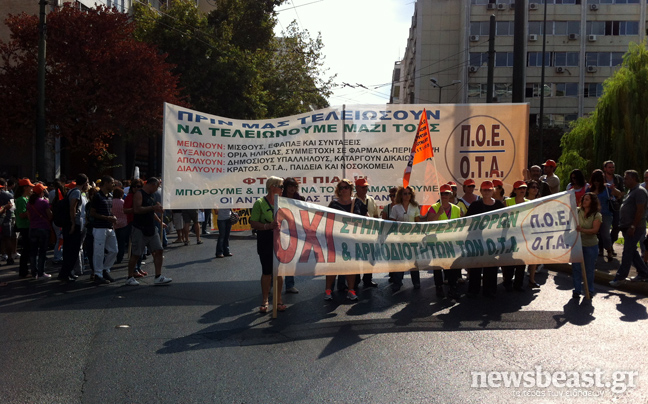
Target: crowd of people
[(100, 223)]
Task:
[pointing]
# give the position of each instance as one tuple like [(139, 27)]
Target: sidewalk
[(605, 272)]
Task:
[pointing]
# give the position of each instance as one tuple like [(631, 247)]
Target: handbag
[(234, 218), (613, 204)]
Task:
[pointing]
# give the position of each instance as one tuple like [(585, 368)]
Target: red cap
[(519, 184), (25, 182), (550, 163), (486, 185), (445, 188), (361, 182), (38, 188), (498, 183), (452, 184), (469, 182), (70, 185)]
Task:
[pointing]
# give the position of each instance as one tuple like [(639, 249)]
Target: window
[(565, 27), (593, 90), (533, 90), (566, 89), (479, 28), (477, 90), (503, 90), (612, 1), (612, 27), (478, 59), (504, 59), (565, 59), (603, 59), (534, 59), (504, 28)]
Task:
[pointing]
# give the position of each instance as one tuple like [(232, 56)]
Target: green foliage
[(618, 128), (229, 61)]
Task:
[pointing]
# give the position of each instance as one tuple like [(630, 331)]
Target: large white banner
[(314, 240), (212, 161)]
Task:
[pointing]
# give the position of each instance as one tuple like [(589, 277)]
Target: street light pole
[(41, 160), (435, 83)]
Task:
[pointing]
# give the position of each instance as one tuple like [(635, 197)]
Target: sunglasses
[(278, 186)]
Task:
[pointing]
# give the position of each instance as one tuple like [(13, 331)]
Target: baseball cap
[(361, 182), (445, 188), (70, 185), (452, 184), (25, 182), (550, 163), (498, 183), (469, 182), (519, 184), (38, 188), (486, 185)]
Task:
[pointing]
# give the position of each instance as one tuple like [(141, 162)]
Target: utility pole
[(41, 160), (542, 81), (519, 58), (491, 61)]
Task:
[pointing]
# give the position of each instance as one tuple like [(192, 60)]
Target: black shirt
[(479, 206), (102, 204)]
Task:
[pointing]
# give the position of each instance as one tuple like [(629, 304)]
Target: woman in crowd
[(135, 185), (290, 191), (498, 191), (406, 209), (23, 192), (388, 208), (517, 196), (40, 217), (122, 230), (578, 184), (468, 196), (444, 210), (343, 201), (486, 204), (263, 221), (589, 223), (604, 194)]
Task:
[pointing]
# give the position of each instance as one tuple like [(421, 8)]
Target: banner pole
[(584, 274), (275, 264)]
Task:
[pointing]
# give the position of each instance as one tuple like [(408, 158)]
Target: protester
[(487, 203), (468, 196), (55, 196), (143, 233), (189, 217), (103, 233), (605, 196), (453, 185), (224, 225), (135, 185), (40, 217), (21, 197), (406, 209), (88, 235), (7, 222), (122, 230), (72, 232), (550, 178), (498, 191), (263, 221), (368, 208), (589, 222), (578, 184), (179, 225), (290, 191), (445, 210), (534, 173), (614, 182), (344, 202), (388, 208), (517, 271), (632, 224)]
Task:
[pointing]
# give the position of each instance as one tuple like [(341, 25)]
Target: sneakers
[(292, 290), (100, 281), (639, 278), (138, 274), (351, 295), (132, 282), (161, 280), (16, 256), (43, 276), (107, 276), (616, 282), (328, 295)]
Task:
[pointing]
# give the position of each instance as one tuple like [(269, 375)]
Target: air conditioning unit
[(560, 69), (591, 38), (572, 36), (533, 6), (591, 69), (473, 69), (512, 6), (474, 38), (533, 37), (594, 7), (491, 6), (501, 6)]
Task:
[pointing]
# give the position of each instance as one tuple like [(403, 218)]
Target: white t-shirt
[(398, 213)]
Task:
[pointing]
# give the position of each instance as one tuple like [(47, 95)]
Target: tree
[(100, 80), (618, 128), (229, 61)]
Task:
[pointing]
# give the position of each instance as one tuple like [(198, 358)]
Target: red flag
[(421, 149)]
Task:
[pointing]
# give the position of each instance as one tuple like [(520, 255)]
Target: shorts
[(7, 230), (190, 215), (139, 241), (178, 221)]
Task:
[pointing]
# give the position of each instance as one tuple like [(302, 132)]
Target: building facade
[(585, 43)]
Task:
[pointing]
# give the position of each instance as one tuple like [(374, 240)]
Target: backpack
[(61, 212)]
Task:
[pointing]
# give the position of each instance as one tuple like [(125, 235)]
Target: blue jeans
[(631, 256), (38, 239), (289, 282), (589, 256), (222, 245)]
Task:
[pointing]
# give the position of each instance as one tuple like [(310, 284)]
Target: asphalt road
[(202, 340)]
